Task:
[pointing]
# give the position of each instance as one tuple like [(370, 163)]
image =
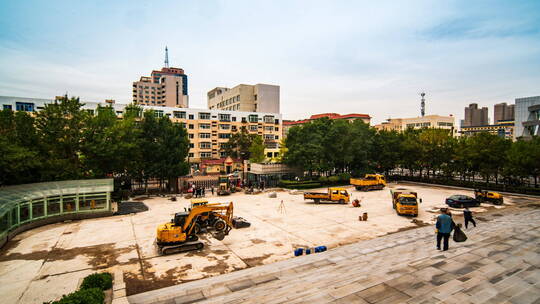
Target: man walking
[(444, 227), (467, 214)]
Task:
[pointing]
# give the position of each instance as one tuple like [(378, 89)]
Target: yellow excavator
[(180, 234)]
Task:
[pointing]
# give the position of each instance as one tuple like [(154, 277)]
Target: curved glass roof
[(11, 195)]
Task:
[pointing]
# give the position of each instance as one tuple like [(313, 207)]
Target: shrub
[(333, 179), (83, 296), (344, 177), (299, 184), (102, 281), (323, 179)]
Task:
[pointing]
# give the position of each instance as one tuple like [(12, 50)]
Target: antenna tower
[(423, 104), (166, 57)]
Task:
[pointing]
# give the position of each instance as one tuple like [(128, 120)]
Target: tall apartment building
[(208, 130), (428, 121), (503, 112), (246, 98), (167, 87), (475, 116), (527, 118)]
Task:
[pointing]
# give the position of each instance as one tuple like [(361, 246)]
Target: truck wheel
[(342, 201), (196, 228), (358, 188), (220, 225), (317, 201)]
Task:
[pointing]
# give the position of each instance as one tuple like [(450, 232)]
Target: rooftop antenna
[(423, 104), (166, 57)]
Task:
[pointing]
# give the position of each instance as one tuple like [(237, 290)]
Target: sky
[(371, 57)]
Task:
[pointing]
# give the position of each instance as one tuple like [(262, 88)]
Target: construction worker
[(467, 215), (444, 226)]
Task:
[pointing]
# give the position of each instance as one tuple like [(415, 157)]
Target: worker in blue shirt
[(444, 226)]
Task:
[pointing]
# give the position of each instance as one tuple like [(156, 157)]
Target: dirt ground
[(47, 262)]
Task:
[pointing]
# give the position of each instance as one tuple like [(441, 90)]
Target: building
[(225, 165), (503, 112), (428, 121), (475, 116), (527, 117), (503, 128), (246, 98), (167, 87), (287, 124), (208, 130)]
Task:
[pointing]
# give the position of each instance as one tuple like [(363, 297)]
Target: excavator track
[(184, 247)]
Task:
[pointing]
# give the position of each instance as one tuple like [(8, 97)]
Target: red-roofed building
[(287, 124)]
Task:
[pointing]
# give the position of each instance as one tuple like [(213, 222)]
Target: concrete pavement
[(499, 263)]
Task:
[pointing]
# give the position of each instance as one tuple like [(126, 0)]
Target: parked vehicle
[(405, 202), (369, 182), (484, 196), (461, 201), (333, 195)]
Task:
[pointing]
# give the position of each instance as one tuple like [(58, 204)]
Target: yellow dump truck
[(484, 196), (339, 195), (405, 202), (369, 182)]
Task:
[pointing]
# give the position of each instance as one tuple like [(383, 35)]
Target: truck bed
[(363, 182), (320, 195)]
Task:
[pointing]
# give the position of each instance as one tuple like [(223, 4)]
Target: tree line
[(328, 147), (63, 141)]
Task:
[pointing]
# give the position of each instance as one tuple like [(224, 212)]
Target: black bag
[(459, 235)]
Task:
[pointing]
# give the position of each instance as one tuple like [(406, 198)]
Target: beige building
[(166, 88), (475, 116), (428, 121), (502, 112), (246, 98)]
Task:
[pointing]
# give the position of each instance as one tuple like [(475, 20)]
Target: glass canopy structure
[(24, 204)]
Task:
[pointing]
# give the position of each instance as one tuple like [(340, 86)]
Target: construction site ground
[(44, 263)]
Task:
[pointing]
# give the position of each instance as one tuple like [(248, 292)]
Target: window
[(277, 137), (204, 135), (190, 126), (92, 201), (53, 205), (38, 209), (205, 145), (190, 135), (191, 155), (276, 129), (206, 154), (24, 106), (8, 107), (204, 126), (222, 145), (222, 154), (158, 113), (191, 145), (204, 115), (90, 111), (253, 128), (178, 114), (269, 136), (268, 119), (276, 154), (191, 116), (253, 118), (224, 135), (255, 96), (234, 118), (269, 128), (224, 127), (224, 117)]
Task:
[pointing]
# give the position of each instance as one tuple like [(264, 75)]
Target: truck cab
[(405, 202)]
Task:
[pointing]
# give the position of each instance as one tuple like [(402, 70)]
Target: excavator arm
[(224, 212)]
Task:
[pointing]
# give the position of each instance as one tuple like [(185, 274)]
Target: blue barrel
[(320, 248), (298, 251), (308, 250)]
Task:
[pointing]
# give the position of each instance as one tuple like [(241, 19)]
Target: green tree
[(256, 150), (524, 159), (59, 126), (386, 151), (239, 144)]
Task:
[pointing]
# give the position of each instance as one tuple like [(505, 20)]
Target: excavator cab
[(180, 218)]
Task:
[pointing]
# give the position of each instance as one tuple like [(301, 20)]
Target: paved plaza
[(499, 263), (44, 263)]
